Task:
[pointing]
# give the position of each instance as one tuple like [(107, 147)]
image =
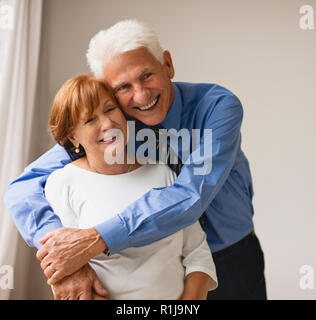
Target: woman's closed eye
[(89, 120), (110, 109)]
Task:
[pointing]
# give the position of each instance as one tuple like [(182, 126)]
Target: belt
[(234, 246)]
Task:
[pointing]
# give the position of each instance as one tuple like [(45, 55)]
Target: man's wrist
[(41, 232), (99, 244), (114, 234)]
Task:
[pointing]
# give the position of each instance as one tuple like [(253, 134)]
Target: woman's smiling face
[(106, 127)]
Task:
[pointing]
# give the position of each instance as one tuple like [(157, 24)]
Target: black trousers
[(240, 271)]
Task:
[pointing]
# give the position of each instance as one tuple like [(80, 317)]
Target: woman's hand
[(66, 250), (81, 285)]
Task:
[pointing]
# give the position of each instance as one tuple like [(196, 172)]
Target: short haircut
[(78, 94), (123, 36)]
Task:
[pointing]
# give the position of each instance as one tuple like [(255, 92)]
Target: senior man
[(128, 55)]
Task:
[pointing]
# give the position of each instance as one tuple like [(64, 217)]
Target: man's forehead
[(129, 63)]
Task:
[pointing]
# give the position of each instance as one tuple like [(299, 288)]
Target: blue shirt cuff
[(114, 234), (41, 232)]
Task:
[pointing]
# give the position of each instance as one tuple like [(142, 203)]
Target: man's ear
[(168, 63)]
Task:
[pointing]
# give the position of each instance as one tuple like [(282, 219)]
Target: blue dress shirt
[(224, 194)]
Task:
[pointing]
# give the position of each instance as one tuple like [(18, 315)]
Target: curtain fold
[(20, 29)]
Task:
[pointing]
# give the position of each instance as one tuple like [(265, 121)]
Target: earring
[(77, 150)]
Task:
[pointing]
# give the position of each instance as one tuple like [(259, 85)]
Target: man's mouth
[(149, 106)]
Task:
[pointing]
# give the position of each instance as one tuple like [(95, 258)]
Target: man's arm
[(164, 211), (26, 201)]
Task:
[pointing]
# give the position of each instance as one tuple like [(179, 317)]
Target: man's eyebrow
[(115, 87), (141, 73), (146, 70)]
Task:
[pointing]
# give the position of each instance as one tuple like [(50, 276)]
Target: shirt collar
[(173, 117)]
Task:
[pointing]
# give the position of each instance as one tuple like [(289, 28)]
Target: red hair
[(77, 93)]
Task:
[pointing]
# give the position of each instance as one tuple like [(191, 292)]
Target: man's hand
[(66, 250), (81, 285)]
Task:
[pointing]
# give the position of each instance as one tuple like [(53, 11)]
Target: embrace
[(137, 229)]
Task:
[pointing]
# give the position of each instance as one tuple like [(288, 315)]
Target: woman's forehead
[(100, 99)]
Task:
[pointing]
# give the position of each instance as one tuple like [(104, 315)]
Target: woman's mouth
[(149, 106), (108, 140)]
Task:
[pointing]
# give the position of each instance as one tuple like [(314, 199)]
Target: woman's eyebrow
[(108, 103)]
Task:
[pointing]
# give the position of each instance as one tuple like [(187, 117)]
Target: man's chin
[(150, 119)]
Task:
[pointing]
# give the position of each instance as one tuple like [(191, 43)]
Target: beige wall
[(254, 48)]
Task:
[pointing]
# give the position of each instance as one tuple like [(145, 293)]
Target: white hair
[(123, 36)]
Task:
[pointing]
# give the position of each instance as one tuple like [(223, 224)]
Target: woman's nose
[(106, 123)]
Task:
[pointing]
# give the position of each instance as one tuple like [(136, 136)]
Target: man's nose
[(141, 95)]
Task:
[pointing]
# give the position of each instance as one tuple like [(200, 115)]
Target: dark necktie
[(171, 155)]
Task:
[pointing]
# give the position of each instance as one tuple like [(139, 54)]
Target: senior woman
[(86, 121)]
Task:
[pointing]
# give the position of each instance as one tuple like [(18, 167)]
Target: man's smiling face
[(141, 84)]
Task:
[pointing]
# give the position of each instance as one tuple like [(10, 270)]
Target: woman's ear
[(74, 141), (168, 63)]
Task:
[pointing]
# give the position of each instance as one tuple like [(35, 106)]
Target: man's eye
[(147, 75), (122, 88)]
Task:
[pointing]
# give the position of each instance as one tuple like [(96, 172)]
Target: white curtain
[(20, 26)]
